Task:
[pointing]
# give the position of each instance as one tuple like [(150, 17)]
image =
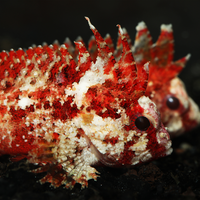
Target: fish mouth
[(163, 139), (191, 118), (185, 122)]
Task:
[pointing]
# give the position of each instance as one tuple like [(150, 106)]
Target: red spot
[(21, 135), (3, 110), (55, 136), (156, 149), (30, 127), (12, 54), (65, 111), (3, 55), (20, 53), (112, 140), (95, 105), (80, 132), (29, 69), (46, 105), (38, 105), (69, 72), (21, 144), (50, 52), (67, 75), (30, 53), (100, 100), (42, 94), (54, 72), (31, 108), (110, 112), (17, 115), (127, 155), (39, 50), (8, 86), (57, 104)]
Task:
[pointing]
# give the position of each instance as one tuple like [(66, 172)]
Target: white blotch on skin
[(23, 102)]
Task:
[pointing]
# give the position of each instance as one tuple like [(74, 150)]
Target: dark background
[(27, 22)]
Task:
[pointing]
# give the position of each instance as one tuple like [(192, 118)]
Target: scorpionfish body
[(179, 113), (68, 117)]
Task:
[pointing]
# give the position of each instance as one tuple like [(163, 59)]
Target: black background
[(27, 22)]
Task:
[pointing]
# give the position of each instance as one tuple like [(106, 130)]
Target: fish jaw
[(186, 122)]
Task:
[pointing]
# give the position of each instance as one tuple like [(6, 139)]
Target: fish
[(68, 117), (179, 113)]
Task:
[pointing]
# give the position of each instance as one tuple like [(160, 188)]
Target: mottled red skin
[(40, 107), (162, 70)]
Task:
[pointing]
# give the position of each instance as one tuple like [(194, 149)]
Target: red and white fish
[(67, 117), (179, 113)]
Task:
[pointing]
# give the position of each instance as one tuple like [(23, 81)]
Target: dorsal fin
[(109, 42), (84, 58), (128, 71), (164, 46), (92, 48), (143, 43), (119, 47), (103, 50)]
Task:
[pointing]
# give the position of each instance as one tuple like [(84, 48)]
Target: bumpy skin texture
[(179, 113), (68, 117)]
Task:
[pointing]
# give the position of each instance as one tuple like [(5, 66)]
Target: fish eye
[(142, 123), (172, 103)]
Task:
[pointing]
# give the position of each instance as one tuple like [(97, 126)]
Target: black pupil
[(172, 103), (142, 123)]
